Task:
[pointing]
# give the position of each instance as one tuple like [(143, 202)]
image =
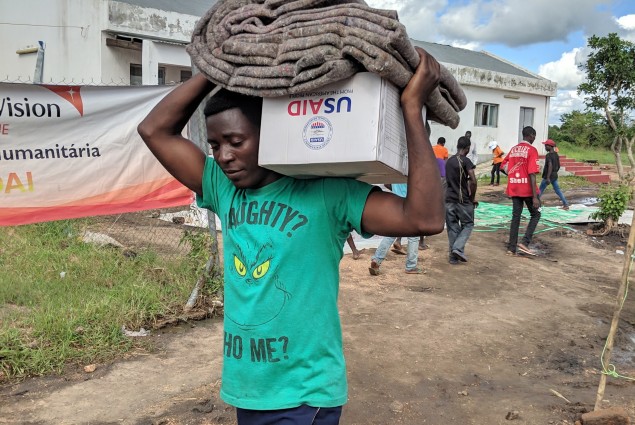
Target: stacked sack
[(271, 48)]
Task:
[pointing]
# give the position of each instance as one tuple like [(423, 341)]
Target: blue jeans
[(556, 188), (459, 220), (301, 415), (411, 257)]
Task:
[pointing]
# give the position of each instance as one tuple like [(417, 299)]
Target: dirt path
[(464, 344)]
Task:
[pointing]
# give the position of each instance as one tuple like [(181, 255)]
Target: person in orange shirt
[(440, 151), (497, 159)]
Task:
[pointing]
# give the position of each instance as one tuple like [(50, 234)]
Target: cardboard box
[(352, 128)]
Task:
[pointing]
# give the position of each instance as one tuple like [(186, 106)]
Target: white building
[(143, 42), (98, 41), (502, 98)]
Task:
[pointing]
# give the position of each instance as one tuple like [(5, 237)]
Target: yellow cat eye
[(240, 267), (261, 270)]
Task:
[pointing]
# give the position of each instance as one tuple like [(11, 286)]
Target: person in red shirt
[(522, 167)]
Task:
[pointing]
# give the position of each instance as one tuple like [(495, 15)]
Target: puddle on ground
[(586, 201)]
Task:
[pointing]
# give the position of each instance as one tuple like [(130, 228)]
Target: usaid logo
[(317, 133)]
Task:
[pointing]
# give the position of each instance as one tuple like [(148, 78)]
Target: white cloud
[(565, 71), (469, 46), (420, 21), (627, 22), (565, 102), (509, 22)]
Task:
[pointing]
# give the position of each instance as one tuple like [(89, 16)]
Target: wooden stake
[(606, 359)]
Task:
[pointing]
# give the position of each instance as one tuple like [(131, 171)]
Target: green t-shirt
[(282, 247)]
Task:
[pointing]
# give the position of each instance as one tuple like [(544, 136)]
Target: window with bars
[(486, 115)]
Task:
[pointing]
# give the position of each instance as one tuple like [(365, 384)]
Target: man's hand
[(475, 203), (536, 202), (425, 79)]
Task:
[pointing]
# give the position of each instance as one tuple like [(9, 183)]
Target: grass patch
[(574, 182), (48, 321), (580, 153)]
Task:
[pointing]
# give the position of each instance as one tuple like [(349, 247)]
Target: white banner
[(74, 151)]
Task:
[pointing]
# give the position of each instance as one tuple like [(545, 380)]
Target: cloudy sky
[(547, 37)]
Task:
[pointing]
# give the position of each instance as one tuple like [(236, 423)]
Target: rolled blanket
[(271, 48)]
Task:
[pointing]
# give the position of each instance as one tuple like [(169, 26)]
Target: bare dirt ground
[(474, 343)]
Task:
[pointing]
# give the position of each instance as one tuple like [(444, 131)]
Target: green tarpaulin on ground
[(491, 217)]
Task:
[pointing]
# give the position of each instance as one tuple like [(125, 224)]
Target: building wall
[(71, 30), (506, 133), (496, 80), (125, 18), (115, 62), (75, 33)]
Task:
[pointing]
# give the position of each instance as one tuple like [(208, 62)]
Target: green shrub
[(613, 203)]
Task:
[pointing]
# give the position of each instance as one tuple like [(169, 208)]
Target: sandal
[(415, 271), (525, 250), (399, 251), (374, 268)]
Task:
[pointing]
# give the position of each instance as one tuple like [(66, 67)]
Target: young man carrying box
[(283, 355)]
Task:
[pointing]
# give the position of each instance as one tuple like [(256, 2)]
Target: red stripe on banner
[(170, 195)]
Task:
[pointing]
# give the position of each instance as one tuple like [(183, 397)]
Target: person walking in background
[(473, 155), (550, 172), (397, 246), (351, 244), (497, 159), (460, 200), (412, 255), (522, 167), (440, 151)]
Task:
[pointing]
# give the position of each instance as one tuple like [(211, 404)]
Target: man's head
[(441, 141), (233, 132), (529, 134), (549, 145), (223, 100), (468, 134), (463, 145)]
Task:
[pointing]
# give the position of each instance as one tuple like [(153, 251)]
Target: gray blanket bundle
[(271, 48)]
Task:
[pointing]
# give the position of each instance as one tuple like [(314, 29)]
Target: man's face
[(234, 141), (531, 138)]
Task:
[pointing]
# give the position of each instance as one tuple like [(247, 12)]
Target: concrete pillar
[(149, 64)]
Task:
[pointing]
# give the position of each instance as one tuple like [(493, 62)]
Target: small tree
[(610, 87), (613, 201)]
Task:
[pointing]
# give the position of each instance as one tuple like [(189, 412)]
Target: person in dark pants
[(497, 159), (550, 172), (522, 167), (459, 200)]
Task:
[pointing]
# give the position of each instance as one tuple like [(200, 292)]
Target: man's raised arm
[(422, 212), (161, 131)]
